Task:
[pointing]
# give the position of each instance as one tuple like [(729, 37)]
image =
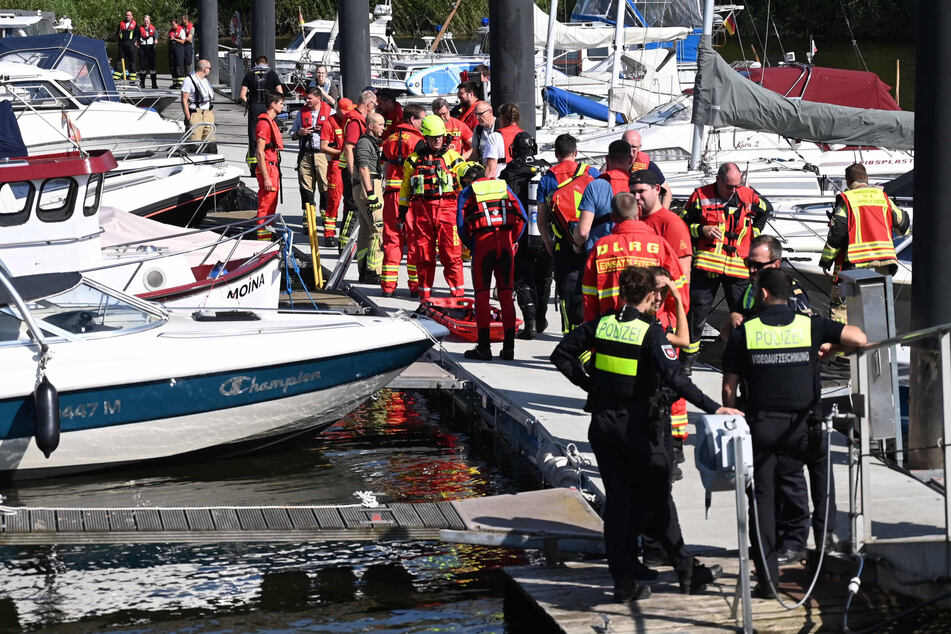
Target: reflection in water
[(399, 446)]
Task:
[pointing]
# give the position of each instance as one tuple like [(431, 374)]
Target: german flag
[(730, 24)]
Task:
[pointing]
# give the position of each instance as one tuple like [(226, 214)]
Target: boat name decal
[(248, 287), (88, 410), (250, 385)]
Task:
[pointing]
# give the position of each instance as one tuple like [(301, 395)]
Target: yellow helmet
[(432, 125), (470, 171)]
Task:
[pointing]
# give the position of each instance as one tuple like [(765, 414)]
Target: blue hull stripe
[(156, 400)]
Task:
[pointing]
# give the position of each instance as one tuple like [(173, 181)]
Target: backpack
[(564, 201)]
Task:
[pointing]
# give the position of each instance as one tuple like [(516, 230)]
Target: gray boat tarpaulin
[(724, 97)]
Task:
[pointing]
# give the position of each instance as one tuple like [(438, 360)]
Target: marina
[(533, 537)]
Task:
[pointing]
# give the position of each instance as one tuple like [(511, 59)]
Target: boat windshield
[(86, 311), (317, 43), (76, 92), (672, 111)]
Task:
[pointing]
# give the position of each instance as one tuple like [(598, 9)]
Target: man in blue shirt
[(594, 221)]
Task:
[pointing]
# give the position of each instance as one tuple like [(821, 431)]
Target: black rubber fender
[(46, 424)]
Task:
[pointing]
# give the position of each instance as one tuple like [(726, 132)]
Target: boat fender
[(46, 425)]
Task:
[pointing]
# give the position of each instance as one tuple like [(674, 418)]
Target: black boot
[(695, 579), (142, 80), (154, 81), (528, 329), (687, 361), (482, 351), (508, 345), (679, 450)]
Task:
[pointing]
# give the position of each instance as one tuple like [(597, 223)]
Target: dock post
[(743, 536), (930, 296), (512, 57), (262, 30), (353, 16), (208, 36)]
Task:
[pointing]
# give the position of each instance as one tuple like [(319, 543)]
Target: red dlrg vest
[(489, 207), (870, 225)]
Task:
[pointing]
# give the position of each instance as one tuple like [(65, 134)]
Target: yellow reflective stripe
[(693, 348), (393, 182), (695, 230), (589, 290), (613, 291), (760, 336), (615, 365), (829, 253)]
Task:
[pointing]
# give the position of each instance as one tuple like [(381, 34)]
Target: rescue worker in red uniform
[(594, 209), (630, 243), (468, 93), (269, 146), (461, 134), (430, 189), (642, 161), (722, 217), (861, 233), (331, 144), (397, 147), (509, 117), (491, 219), (646, 187), (390, 108), (146, 37)]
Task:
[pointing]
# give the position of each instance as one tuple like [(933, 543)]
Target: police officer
[(775, 356), (632, 359), (255, 87)]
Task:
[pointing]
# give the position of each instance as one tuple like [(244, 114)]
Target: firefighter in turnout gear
[(331, 144), (397, 147), (722, 217), (430, 188), (775, 357), (368, 195), (490, 220), (255, 87), (559, 195), (127, 35), (268, 151), (863, 226), (631, 361)]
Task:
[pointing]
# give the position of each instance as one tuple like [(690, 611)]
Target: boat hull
[(109, 426)]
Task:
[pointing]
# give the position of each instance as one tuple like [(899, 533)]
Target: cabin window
[(16, 201), (93, 194), (38, 94), (57, 196)]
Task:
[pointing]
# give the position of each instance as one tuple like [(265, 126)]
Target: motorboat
[(123, 381), (25, 23), (86, 61), (54, 222), (54, 114)]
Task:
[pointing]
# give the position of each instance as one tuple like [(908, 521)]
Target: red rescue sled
[(458, 315)]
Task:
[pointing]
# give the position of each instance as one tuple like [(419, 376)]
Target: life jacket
[(641, 162), (126, 30), (780, 356), (393, 119), (490, 207), (509, 133), (397, 147), (361, 123), (619, 179), (272, 149), (454, 131), (176, 34), (189, 30), (308, 118), (617, 352), (468, 116), (259, 93), (432, 177), (147, 35), (870, 225), (725, 255), (572, 179)]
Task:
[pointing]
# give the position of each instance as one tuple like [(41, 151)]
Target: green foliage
[(893, 19), (99, 19)]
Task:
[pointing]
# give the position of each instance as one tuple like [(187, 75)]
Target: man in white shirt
[(198, 102), (490, 143)]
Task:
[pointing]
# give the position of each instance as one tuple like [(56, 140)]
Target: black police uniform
[(259, 81), (632, 359), (792, 498), (776, 355)]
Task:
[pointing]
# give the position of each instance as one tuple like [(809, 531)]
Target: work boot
[(482, 351), (679, 451), (528, 329), (630, 590), (154, 81), (696, 578), (687, 361), (790, 557), (540, 325), (643, 573), (142, 81), (330, 242), (508, 345), (676, 473)]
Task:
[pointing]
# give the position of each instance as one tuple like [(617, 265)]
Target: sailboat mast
[(616, 66), (550, 53), (698, 127)]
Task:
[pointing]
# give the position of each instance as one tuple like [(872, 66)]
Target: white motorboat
[(54, 115), (138, 383)]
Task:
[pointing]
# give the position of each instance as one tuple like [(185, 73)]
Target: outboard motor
[(46, 425), (714, 453)]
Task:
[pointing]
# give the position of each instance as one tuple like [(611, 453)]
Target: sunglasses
[(757, 266)]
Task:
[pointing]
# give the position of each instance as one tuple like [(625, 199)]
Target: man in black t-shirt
[(254, 90)]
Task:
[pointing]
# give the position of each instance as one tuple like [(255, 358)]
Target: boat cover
[(570, 37), (11, 141), (855, 88), (33, 287), (566, 103), (723, 97), (83, 58)]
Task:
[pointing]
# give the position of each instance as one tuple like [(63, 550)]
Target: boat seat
[(78, 322)]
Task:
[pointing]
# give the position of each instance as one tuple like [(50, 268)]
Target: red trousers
[(267, 200), (435, 223), (394, 241), (493, 254), (334, 196)]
